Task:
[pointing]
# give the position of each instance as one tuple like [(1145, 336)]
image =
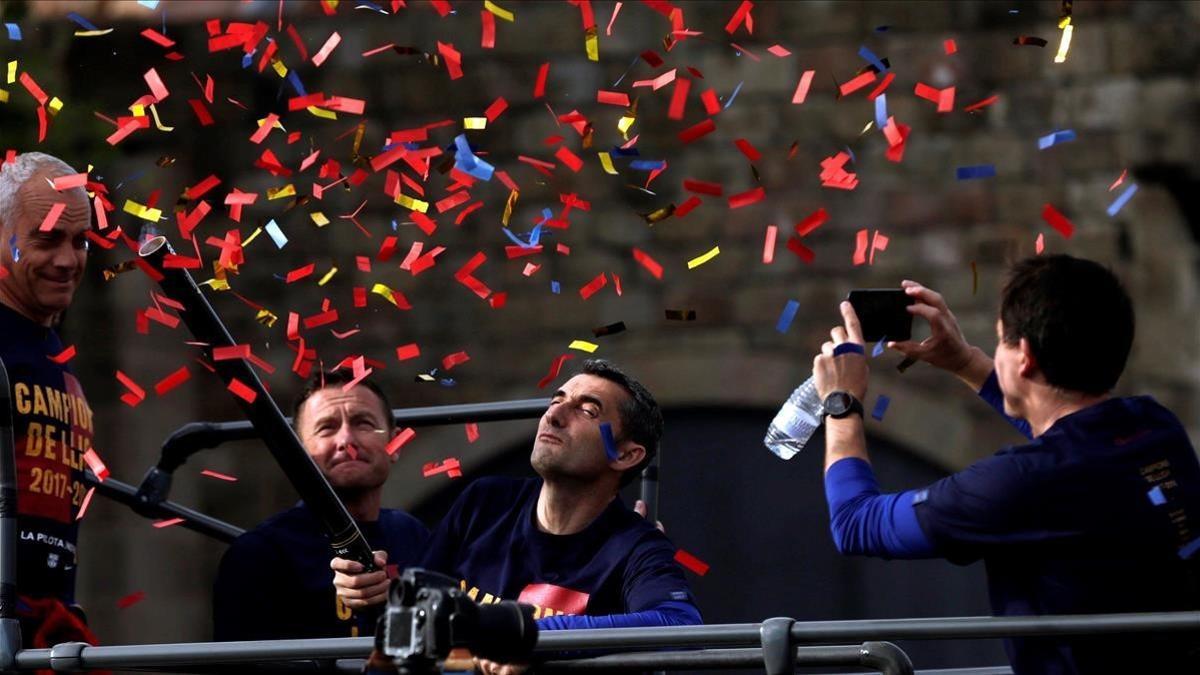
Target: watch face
[(837, 403)]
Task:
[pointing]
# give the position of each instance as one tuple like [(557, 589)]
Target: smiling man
[(274, 582), (563, 542), (43, 251)]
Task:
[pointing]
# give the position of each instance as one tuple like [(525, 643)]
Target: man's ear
[(1029, 367), (629, 455)]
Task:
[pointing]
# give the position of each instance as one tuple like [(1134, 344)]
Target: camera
[(428, 615)]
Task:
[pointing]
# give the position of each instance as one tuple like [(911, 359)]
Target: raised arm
[(945, 348)]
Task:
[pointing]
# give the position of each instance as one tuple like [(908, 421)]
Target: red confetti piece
[(34, 90), (158, 38), (687, 207), (1058, 221), (1120, 179), (300, 273), (96, 464), (779, 50), (879, 242), (812, 222), (455, 359), (803, 252), (741, 15), (882, 86), (747, 198), (173, 380), (496, 108), (157, 88), (321, 319), (950, 46), (857, 83), (452, 58), (63, 356), (239, 389), (697, 131), (539, 88), (982, 104), (594, 285), (202, 114), (768, 255), (691, 562), (68, 182), (1040, 244), (400, 439), (326, 49), (712, 106), (135, 395), (555, 368), (569, 158), (87, 501), (651, 58), (701, 187), (649, 263), (160, 524), (679, 98), (219, 476), (487, 38), (130, 600), (748, 150), (612, 98), (860, 248), (52, 217), (472, 430), (802, 88), (448, 466)]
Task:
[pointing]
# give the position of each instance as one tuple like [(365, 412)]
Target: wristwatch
[(839, 404)]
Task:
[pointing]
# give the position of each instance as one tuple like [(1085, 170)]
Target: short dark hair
[(1077, 317), (641, 418), (336, 378)]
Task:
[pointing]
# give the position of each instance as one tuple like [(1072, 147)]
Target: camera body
[(428, 615)]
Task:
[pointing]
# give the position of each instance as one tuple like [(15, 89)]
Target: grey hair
[(14, 174)]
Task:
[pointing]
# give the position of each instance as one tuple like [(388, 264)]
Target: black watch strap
[(841, 412)]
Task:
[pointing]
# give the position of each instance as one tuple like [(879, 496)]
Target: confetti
[(583, 346), (949, 46), (1156, 496), (239, 389), (589, 289), (449, 466), (802, 88), (768, 255), (52, 217), (134, 598), (219, 476), (555, 369), (173, 380), (160, 524), (787, 316), (701, 259), (96, 464), (647, 262), (1120, 201), (87, 501), (63, 356), (455, 359), (1120, 179), (610, 443), (610, 329), (14, 31), (867, 55), (857, 83), (881, 406), (691, 562), (811, 222), (1055, 138), (972, 172), (698, 130), (327, 49), (1065, 44), (1058, 221), (472, 430), (399, 440), (747, 198), (800, 250), (1029, 40), (135, 395)]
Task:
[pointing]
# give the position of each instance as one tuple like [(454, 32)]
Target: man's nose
[(554, 415), (66, 256)]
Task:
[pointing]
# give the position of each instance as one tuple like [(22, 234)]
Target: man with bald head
[(43, 251)]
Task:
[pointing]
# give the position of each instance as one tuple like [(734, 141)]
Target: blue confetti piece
[(149, 4), (980, 171), (631, 65), (447, 382), (1055, 138), (733, 95), (610, 443), (276, 234), (248, 59), (555, 287), (547, 214), (537, 231), (785, 318), (882, 29), (869, 56), (881, 111), (84, 23), (624, 152), (363, 4), (468, 163), (14, 31), (879, 347), (647, 164), (853, 159), (1190, 550), (395, 227), (294, 80), (1122, 200), (16, 252), (881, 406), (1156, 496)]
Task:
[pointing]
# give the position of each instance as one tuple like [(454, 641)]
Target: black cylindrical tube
[(346, 539)]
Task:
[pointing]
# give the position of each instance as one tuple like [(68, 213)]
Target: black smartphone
[(882, 313)]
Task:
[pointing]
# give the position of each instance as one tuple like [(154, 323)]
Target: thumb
[(639, 507), (381, 558)]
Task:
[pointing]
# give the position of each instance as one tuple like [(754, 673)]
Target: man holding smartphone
[(1099, 511)]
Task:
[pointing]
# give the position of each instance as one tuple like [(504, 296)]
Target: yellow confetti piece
[(93, 33), (138, 110), (3, 96), (322, 113), (606, 162), (157, 122), (593, 44), (319, 218), (288, 190), (252, 237), (55, 105), (280, 69), (328, 275), (583, 346), (216, 284), (700, 260), (133, 208), (266, 318), (384, 292), (276, 125), (1064, 22), (624, 124), (12, 72), (1066, 42), (411, 204), (474, 122), (509, 206), (497, 10)]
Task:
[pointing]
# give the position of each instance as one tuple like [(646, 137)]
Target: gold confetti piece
[(322, 113), (12, 72), (3, 96), (606, 162), (216, 284), (592, 42), (138, 110), (500, 12), (508, 207), (358, 138), (328, 275), (157, 122), (700, 260), (111, 272), (583, 346), (385, 293), (266, 318), (133, 208), (55, 105), (279, 193), (659, 214), (93, 33), (474, 123), (280, 69), (1063, 46), (410, 203), (252, 237), (319, 218), (624, 124)]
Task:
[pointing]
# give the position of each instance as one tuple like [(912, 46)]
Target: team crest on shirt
[(547, 599)]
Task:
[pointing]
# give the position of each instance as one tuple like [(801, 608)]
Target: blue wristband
[(848, 348)]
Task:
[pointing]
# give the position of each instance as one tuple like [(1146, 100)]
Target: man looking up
[(1099, 511), (274, 582), (42, 259), (563, 542)]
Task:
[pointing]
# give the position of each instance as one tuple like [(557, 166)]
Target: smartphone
[(883, 313)]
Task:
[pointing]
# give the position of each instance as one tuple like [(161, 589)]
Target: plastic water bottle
[(796, 421)]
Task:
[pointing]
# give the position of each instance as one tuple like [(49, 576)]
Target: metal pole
[(193, 520)]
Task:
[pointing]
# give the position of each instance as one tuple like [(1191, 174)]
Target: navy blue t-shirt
[(618, 564), (53, 428), (274, 582), (1099, 514)]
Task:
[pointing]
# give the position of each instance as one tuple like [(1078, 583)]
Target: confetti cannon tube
[(346, 539), (10, 626)]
